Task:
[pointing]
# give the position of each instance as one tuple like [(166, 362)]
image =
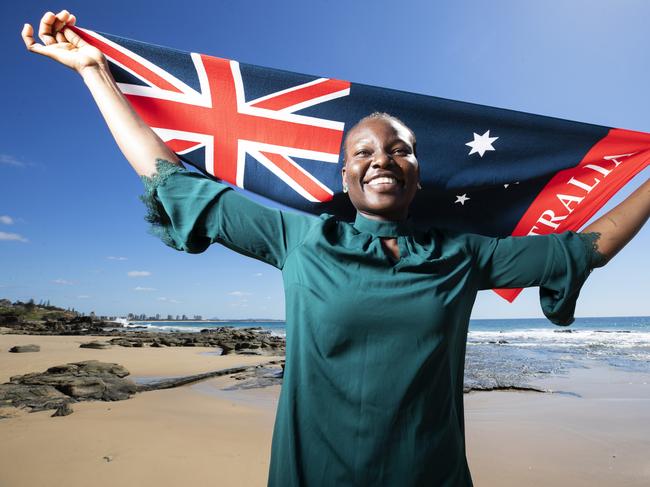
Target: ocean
[(502, 352)]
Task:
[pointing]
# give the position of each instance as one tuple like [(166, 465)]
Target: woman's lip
[(384, 186)]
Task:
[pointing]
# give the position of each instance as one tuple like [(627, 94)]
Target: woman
[(357, 294)]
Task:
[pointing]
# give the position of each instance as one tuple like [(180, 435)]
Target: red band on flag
[(574, 195)]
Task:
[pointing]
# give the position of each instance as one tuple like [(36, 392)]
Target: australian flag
[(279, 134)]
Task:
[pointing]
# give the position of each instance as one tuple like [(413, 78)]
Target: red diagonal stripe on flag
[(121, 58), (300, 95), (307, 183), (178, 145)]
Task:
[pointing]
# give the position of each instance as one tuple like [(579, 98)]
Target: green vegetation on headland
[(18, 311)]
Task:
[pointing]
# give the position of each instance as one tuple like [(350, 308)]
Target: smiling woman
[(347, 415)]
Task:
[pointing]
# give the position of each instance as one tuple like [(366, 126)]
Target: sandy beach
[(594, 431)]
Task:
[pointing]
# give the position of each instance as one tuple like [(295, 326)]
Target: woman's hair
[(379, 116)]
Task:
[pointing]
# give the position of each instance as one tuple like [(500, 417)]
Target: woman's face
[(381, 169)]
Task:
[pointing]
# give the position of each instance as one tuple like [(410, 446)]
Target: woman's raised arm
[(139, 144), (619, 225)]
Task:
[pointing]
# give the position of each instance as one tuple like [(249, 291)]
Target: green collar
[(384, 228)]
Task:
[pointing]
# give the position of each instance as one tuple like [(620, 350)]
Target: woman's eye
[(400, 151), (362, 153)]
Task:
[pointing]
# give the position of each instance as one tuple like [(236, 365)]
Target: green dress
[(373, 384)]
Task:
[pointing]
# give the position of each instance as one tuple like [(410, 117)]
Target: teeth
[(382, 180)]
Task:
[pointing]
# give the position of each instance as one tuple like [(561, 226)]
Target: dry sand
[(201, 435)]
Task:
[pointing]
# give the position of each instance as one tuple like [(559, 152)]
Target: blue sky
[(71, 224)]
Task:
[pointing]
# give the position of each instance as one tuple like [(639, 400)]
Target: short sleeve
[(558, 263), (189, 211)]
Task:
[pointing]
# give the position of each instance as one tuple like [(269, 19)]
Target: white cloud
[(11, 161), (13, 237), (113, 257), (257, 274), (239, 293), (62, 281), (138, 273), (7, 220), (83, 296), (144, 289), (168, 300), (239, 305)]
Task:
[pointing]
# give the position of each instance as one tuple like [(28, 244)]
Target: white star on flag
[(461, 198), (481, 143)]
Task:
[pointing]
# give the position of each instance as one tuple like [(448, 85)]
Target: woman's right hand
[(137, 141), (62, 44)]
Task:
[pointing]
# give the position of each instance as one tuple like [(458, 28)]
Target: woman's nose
[(382, 159)]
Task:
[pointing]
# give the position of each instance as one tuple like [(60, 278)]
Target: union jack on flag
[(278, 134), (216, 119)]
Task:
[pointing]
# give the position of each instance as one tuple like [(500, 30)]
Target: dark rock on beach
[(96, 345), (35, 397), (63, 384), (263, 375), (25, 348), (245, 341)]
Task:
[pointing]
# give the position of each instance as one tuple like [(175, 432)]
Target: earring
[(345, 188), (419, 186)]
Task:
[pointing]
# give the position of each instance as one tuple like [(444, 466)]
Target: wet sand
[(597, 434)]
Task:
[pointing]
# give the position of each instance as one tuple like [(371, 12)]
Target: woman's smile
[(384, 182)]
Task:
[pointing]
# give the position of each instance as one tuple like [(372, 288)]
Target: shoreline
[(597, 435)]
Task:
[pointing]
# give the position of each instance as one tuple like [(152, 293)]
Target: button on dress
[(372, 393)]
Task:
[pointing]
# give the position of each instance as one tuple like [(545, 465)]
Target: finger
[(60, 21), (28, 38), (45, 29), (73, 38), (60, 38), (71, 20)]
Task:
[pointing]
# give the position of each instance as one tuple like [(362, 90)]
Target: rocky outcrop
[(64, 384), (245, 341), (58, 387), (34, 397), (262, 375)]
